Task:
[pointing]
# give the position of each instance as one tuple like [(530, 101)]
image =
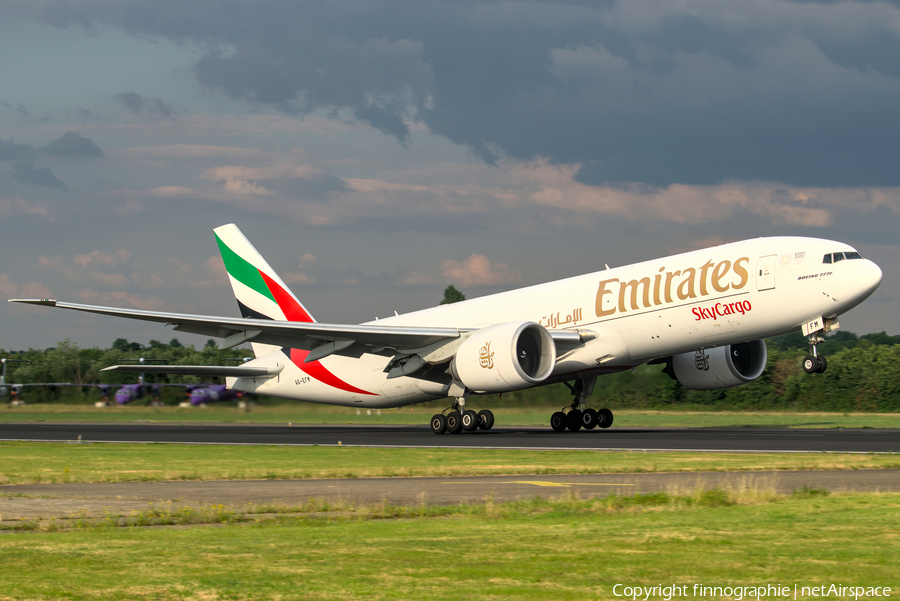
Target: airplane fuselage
[(712, 297)]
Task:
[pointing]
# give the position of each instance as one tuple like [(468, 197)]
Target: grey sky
[(401, 146)]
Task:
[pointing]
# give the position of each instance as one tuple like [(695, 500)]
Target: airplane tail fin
[(259, 292)]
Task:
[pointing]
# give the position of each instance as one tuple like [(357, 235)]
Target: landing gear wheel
[(573, 420), (469, 420), (589, 419), (454, 422), (823, 365), (438, 423), (810, 364), (485, 419), (606, 418), (558, 421)]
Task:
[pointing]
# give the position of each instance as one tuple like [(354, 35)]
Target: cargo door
[(765, 272)]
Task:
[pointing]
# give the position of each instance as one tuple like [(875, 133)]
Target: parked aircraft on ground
[(703, 314), (124, 393), (214, 393)]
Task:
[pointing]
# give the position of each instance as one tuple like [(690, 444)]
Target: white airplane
[(703, 313)]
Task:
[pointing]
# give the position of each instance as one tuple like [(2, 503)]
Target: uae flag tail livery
[(259, 292)]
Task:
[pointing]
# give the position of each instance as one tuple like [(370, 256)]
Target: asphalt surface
[(33, 501), (691, 439)]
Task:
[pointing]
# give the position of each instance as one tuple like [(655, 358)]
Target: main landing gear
[(813, 363), (576, 416), (457, 419)]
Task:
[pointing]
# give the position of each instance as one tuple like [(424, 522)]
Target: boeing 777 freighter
[(704, 314)]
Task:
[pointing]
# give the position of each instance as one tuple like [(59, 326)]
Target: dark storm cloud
[(638, 90), (301, 68), (10, 151), (27, 173), (72, 144), (138, 104)]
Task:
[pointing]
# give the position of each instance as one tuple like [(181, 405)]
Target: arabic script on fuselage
[(556, 320)]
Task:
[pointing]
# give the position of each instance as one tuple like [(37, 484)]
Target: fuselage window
[(853, 255), (838, 257), (827, 258)]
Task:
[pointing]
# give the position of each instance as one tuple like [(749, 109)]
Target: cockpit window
[(835, 257)]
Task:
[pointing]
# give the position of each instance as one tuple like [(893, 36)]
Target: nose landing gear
[(576, 416), (813, 363)]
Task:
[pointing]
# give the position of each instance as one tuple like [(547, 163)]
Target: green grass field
[(27, 463), (307, 413), (563, 549)]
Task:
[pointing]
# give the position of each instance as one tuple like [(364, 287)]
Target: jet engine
[(504, 357), (720, 367)]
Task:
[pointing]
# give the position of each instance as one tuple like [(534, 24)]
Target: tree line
[(66, 362), (862, 375)]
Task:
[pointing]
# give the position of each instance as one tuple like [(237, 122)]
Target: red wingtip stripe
[(289, 306), (318, 371)]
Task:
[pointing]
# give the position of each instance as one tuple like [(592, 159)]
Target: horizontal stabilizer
[(239, 371)]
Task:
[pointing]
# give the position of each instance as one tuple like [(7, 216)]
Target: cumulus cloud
[(448, 196), (10, 151), (82, 268), (557, 187), (414, 280), (214, 274), (243, 180), (477, 270), (72, 144), (179, 152), (116, 272), (100, 257), (27, 173), (138, 104), (121, 298), (11, 206), (10, 289), (150, 303), (128, 207)]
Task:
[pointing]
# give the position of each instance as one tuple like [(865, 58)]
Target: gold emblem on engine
[(701, 361), (486, 357)]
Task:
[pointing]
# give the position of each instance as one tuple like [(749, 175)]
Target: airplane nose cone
[(869, 275)]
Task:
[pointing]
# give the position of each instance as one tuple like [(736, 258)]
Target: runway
[(511, 437), (44, 501)]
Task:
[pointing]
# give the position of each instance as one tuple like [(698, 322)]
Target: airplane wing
[(321, 338), (267, 331)]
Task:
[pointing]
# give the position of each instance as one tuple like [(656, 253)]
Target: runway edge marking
[(399, 446)]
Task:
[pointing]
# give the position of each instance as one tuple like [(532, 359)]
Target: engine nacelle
[(721, 367), (504, 357)]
